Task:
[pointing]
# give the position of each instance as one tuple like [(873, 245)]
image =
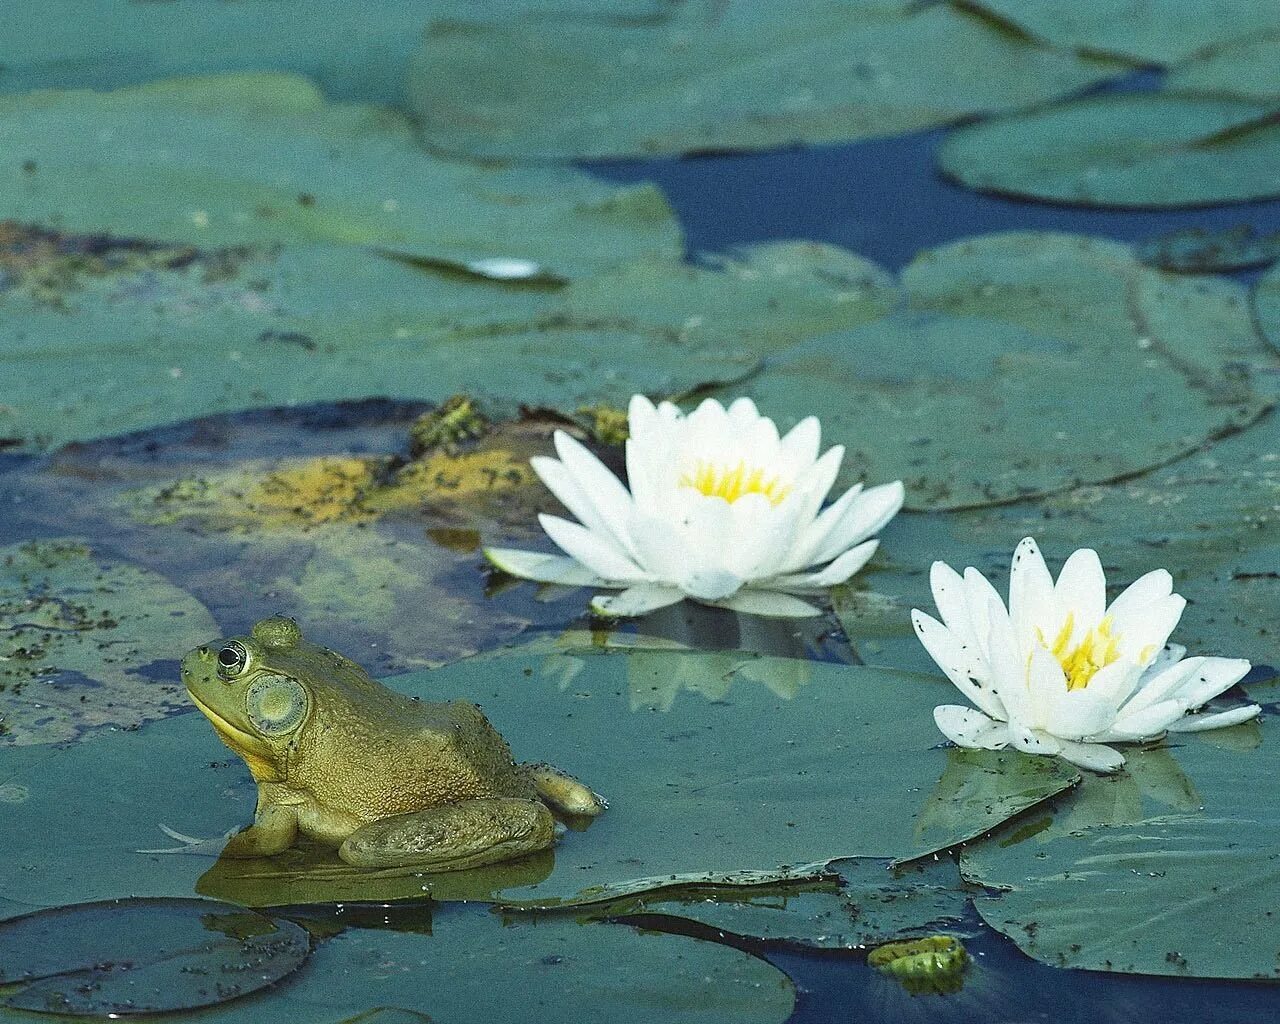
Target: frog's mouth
[(255, 752)]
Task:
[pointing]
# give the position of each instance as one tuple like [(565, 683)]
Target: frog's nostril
[(204, 652)]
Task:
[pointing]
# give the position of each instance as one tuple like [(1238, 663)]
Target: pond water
[(239, 310)]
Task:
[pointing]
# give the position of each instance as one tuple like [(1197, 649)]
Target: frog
[(387, 779)]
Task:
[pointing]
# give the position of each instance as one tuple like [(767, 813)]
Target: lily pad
[(1249, 69), (1180, 884), (262, 158), (870, 903), (818, 776), (465, 965), (1140, 367), (1153, 31), (737, 77), (128, 957), (1197, 251), (87, 642), (122, 336), (1266, 303), (1130, 150)]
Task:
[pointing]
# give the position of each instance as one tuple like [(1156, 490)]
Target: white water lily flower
[(721, 509), (1059, 672)]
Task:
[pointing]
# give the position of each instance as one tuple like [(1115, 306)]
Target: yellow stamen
[(1095, 651), (733, 482)]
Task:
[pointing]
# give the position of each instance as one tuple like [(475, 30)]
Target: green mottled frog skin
[(389, 780)]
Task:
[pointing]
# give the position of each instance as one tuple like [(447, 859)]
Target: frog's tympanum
[(389, 780)]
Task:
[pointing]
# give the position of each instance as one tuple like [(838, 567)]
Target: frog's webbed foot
[(455, 836), (565, 793), (273, 831), (192, 845)]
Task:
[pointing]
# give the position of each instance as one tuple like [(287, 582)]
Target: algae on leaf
[(87, 642), (744, 76), (262, 158), (1024, 364), (818, 776), (1135, 150)]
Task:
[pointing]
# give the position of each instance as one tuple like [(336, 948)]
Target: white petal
[(534, 565), (950, 596), (814, 534), (1166, 684), (1008, 665), (1046, 683), (1144, 632), (866, 516), (1213, 677), (1079, 714), (1096, 757), (1152, 587), (1147, 723), (1112, 684), (767, 602), (1032, 602), (966, 727), (802, 441), (661, 549), (598, 555), (598, 483), (816, 483), (1217, 720), (635, 601), (833, 575), (1169, 655), (1082, 589), (574, 496), (1033, 741), (980, 598), (961, 664)]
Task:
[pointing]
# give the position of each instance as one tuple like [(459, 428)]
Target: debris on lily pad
[(1137, 876), (831, 765), (121, 958), (1142, 150), (88, 643), (1145, 366), (260, 158), (721, 77)]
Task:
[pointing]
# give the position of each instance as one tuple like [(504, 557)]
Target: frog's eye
[(232, 659), (276, 704)]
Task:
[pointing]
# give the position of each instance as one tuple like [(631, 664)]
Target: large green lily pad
[(258, 158), (1169, 868), (1025, 364), (1153, 31), (1249, 69), (1266, 303), (1143, 150), (737, 76), (87, 642), (126, 957), (819, 776), (113, 338)]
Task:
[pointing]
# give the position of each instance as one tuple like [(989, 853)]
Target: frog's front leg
[(273, 831), (454, 836)]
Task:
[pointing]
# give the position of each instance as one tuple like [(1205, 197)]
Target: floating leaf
[(1141, 150), (1266, 303), (747, 77), (1156, 31), (127, 957), (1197, 251), (1037, 362), (1249, 69), (260, 158), (818, 776), (87, 642), (1180, 882), (871, 902)]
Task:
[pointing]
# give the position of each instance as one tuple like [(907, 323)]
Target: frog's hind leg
[(454, 836), (563, 792)]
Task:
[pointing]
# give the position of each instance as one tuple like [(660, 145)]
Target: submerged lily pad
[(1157, 31), (819, 776), (739, 76), (1178, 883), (260, 158), (88, 642), (1141, 150), (126, 957), (870, 902), (1026, 364)]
